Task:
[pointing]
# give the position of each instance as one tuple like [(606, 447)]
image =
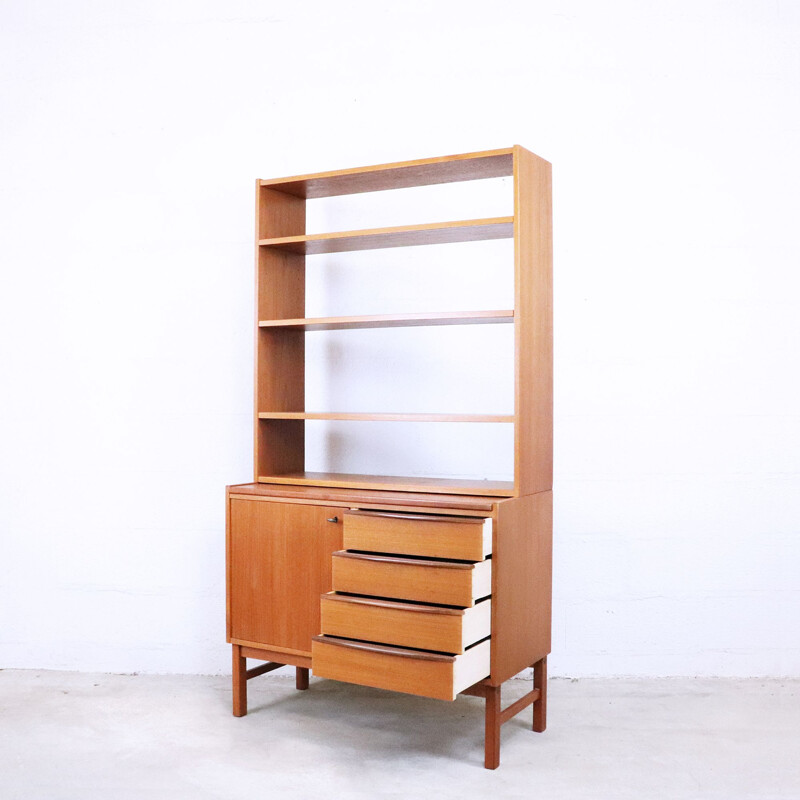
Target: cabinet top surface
[(336, 495), (398, 175)]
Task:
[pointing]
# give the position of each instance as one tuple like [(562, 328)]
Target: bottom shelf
[(402, 484)]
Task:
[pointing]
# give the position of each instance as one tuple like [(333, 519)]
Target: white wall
[(131, 135)]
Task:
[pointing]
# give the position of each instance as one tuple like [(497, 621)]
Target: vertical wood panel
[(533, 303), (280, 354), (228, 565), (523, 575)]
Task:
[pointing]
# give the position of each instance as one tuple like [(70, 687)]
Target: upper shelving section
[(401, 175), (284, 454), (471, 230)]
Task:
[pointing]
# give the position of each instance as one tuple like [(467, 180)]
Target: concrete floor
[(66, 735)]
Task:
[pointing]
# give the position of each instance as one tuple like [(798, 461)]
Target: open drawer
[(446, 630), (464, 538), (398, 669), (447, 582)]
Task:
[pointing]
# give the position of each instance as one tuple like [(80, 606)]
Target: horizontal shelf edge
[(403, 484), (392, 320), (378, 417), (470, 230)]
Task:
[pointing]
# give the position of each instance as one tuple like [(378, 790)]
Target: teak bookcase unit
[(434, 587)]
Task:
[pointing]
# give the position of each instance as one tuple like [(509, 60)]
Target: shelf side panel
[(533, 289), (280, 354), (522, 579)]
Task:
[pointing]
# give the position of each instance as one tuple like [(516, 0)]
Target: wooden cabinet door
[(279, 563)]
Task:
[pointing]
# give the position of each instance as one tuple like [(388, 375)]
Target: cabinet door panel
[(279, 565)]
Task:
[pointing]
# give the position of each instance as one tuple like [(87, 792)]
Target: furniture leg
[(493, 722), (301, 677), (540, 704), (239, 682)]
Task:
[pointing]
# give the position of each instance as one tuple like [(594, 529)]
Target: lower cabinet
[(422, 601)]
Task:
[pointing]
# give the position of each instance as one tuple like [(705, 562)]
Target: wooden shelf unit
[(434, 587), (282, 246)]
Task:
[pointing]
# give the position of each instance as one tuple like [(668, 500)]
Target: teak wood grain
[(280, 563)]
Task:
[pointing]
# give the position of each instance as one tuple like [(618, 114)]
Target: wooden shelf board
[(359, 417), (363, 497), (399, 175), (391, 320), (470, 230), (403, 484)]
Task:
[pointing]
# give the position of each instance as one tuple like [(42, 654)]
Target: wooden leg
[(540, 705), (239, 682), (492, 741), (301, 677)]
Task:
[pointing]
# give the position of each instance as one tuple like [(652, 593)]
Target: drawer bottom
[(398, 669)]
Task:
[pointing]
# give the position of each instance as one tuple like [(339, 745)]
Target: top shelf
[(400, 175)]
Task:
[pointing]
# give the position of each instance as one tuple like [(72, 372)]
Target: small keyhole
[(333, 519)]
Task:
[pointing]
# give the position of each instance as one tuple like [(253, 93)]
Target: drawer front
[(448, 583), (447, 630), (462, 538), (397, 669)]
